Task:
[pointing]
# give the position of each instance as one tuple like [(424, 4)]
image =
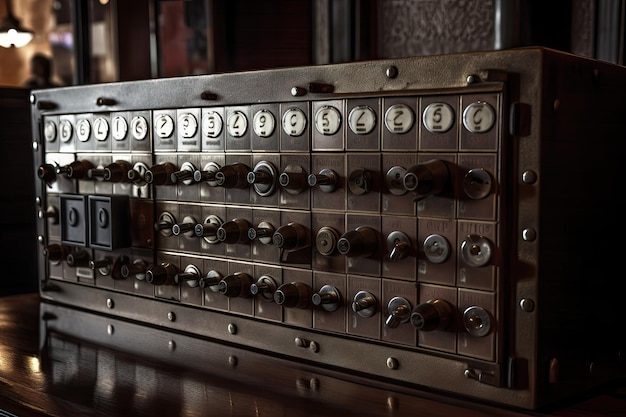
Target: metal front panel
[(377, 217)]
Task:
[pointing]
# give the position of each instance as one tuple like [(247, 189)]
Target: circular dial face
[(212, 124), (362, 120), (294, 122), (399, 118)]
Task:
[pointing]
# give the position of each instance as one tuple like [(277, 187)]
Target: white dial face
[(479, 117), (362, 120), (139, 127), (327, 120), (50, 132), (399, 118), (237, 124), (119, 128), (438, 117), (100, 128), (212, 124), (83, 129), (187, 125), (164, 126), (294, 121), (65, 130), (264, 123)]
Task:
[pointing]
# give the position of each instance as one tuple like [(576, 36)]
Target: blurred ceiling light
[(12, 34)]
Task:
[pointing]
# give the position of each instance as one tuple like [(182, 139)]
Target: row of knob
[(423, 179)]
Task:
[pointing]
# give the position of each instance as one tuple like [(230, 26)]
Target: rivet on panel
[(529, 177), (232, 329), (471, 79), (35, 146), (110, 329), (529, 235), (314, 384), (171, 346), (392, 403), (314, 347), (171, 316), (527, 305), (232, 361), (110, 303), (33, 99), (392, 363), (391, 72)]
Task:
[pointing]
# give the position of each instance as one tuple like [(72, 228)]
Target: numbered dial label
[(212, 124), (164, 126), (65, 130), (83, 129), (237, 124), (362, 120), (119, 128), (264, 123), (187, 125), (100, 128), (139, 127), (399, 118), (294, 122), (438, 117), (479, 117), (327, 120), (50, 132)]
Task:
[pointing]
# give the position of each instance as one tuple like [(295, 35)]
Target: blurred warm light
[(12, 34), (34, 364)]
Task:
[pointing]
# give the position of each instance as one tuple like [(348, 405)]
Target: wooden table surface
[(61, 362)]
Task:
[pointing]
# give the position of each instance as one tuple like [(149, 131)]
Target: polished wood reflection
[(57, 361)]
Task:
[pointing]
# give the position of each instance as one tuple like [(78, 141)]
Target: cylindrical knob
[(293, 179), (199, 176), (164, 223), (162, 274), (233, 176), (399, 245), (263, 178), (263, 232), (206, 229), (428, 178), (136, 177), (76, 170), (293, 295), (47, 173), (234, 231), (187, 227), (55, 253), (211, 280), (328, 297), (235, 285), (327, 180), (101, 263), (114, 172), (432, 315), (264, 287), (137, 268), (291, 237), (190, 276), (160, 174), (51, 213), (79, 258), (399, 312), (361, 242)]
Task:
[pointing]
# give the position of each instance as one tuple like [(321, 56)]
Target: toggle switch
[(436, 249), (361, 242), (263, 178), (328, 297), (51, 213), (477, 321), (477, 183), (190, 276), (364, 304), (399, 312), (398, 245), (160, 174), (427, 178), (76, 170), (235, 285), (137, 175), (294, 295), (264, 287), (78, 258), (293, 179), (234, 231), (207, 174), (211, 280), (232, 176), (164, 223), (432, 315), (208, 229), (393, 179), (185, 175), (103, 266), (360, 181), (137, 269), (263, 233), (327, 180), (187, 227), (114, 172), (326, 240), (291, 237), (476, 250), (162, 274)]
